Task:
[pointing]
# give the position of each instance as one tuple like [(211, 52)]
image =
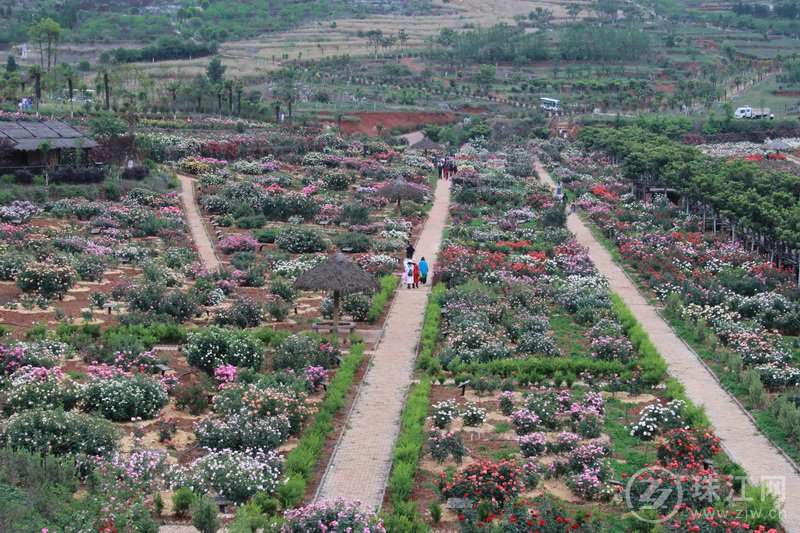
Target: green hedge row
[(655, 369), (405, 458), (300, 462), (379, 300), (430, 327)]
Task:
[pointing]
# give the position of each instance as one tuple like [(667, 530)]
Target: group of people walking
[(446, 166), (414, 273), (25, 104)]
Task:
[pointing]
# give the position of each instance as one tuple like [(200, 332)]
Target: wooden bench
[(162, 368), (94, 231), (350, 326)]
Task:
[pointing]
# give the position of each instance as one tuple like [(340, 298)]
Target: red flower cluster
[(483, 480)]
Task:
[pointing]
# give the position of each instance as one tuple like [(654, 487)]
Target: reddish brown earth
[(786, 93), (412, 66), (666, 87), (391, 120), (708, 44)]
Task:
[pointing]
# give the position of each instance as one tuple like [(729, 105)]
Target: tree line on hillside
[(207, 20), (167, 48), (766, 202), (576, 41)]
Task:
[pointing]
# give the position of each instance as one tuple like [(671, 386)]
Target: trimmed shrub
[(59, 433), (301, 240), (212, 347), (355, 242)]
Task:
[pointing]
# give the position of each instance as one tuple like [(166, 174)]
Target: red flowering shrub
[(495, 483), (686, 448), (542, 515)]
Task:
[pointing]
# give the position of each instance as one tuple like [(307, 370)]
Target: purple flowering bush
[(331, 517), (21, 210), (237, 243)]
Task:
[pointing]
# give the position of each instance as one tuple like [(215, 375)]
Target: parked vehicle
[(550, 104), (753, 112)]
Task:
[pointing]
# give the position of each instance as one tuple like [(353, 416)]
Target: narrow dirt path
[(741, 439), (200, 236), (360, 465)]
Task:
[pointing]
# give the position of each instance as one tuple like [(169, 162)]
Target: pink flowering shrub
[(225, 374), (237, 243), (331, 517)]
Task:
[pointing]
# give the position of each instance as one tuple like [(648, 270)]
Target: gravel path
[(360, 465), (200, 236), (741, 439)]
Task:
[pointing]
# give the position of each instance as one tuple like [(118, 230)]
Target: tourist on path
[(423, 271), (408, 269), (416, 275), (572, 207), (409, 250)]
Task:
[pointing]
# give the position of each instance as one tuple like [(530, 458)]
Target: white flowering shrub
[(657, 418), (124, 397), (246, 167), (473, 415), (443, 413), (58, 433), (236, 475), (33, 387), (212, 347), (242, 430)]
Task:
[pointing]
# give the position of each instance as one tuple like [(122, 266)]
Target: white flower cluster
[(236, 475), (656, 418), (473, 415)]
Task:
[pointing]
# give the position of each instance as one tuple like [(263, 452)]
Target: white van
[(550, 104)]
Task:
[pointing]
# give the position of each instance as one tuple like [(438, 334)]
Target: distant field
[(253, 58)]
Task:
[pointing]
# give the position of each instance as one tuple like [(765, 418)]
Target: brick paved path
[(741, 439), (177, 528), (362, 460), (200, 236)]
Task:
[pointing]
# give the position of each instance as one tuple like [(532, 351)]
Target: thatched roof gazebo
[(778, 145), (398, 189), (425, 144), (340, 275)]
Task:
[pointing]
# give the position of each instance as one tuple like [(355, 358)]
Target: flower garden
[(738, 310), (541, 399), (149, 381)]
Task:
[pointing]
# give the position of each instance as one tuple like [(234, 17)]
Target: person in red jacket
[(416, 275)]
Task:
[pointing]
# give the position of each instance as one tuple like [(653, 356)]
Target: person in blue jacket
[(423, 270)]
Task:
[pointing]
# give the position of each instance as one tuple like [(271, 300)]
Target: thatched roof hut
[(778, 145), (425, 144), (399, 189), (340, 275)]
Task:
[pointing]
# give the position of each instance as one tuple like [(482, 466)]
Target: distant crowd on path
[(25, 104), (446, 166), (414, 273)]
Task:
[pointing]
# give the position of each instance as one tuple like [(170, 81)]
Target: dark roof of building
[(28, 135)]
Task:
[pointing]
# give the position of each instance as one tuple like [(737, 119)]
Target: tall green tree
[(374, 39), (216, 71), (46, 34), (485, 77)]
